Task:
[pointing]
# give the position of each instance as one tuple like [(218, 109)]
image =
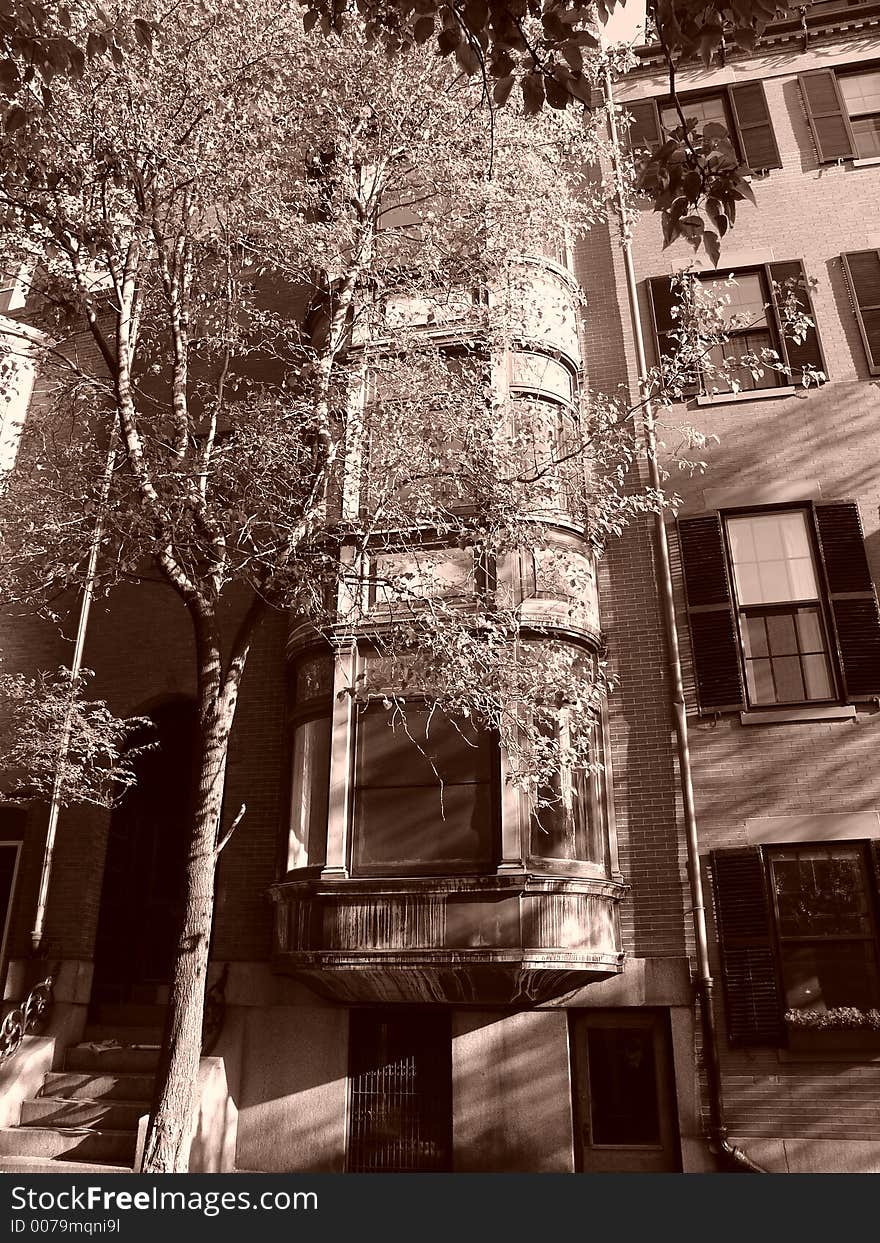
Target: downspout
[(731, 1155), (75, 669)]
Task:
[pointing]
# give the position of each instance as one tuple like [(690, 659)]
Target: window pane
[(866, 131), (700, 110), (772, 559), (759, 676), (821, 891), (424, 827), (423, 798), (623, 1086), (809, 628), (826, 974), (755, 636), (861, 91), (818, 677), (788, 679), (310, 783), (744, 299), (570, 828), (418, 747), (781, 632)]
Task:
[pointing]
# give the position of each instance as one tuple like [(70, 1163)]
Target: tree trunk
[(170, 1129)]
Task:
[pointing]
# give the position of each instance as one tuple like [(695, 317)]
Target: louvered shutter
[(806, 353), (827, 115), (663, 299), (644, 130), (714, 639), (863, 271), (752, 116), (745, 934), (852, 596)]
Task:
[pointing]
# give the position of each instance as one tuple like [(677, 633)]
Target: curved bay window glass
[(423, 797), (310, 765), (567, 823)]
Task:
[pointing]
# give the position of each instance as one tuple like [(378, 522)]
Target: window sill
[(868, 161), (752, 394), (790, 716)]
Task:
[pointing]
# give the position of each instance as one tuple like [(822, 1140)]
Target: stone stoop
[(85, 1118)]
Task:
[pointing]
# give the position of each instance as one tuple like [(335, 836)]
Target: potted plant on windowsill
[(841, 1027)]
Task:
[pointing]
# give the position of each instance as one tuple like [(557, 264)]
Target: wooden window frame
[(870, 892), (821, 602), (774, 325)]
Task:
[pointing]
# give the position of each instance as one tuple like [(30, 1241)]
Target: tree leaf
[(533, 92), (143, 33), (16, 118), (713, 246), (502, 89)]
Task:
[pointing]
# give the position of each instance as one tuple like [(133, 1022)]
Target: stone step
[(129, 1014), (104, 1115), (111, 1060), (73, 1084), (45, 1165), (122, 1034), (68, 1144)]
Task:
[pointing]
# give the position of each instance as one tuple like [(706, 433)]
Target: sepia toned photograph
[(439, 642)]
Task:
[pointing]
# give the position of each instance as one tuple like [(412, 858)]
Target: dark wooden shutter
[(714, 639), (853, 599), (827, 115), (745, 934), (863, 271), (664, 298), (806, 353), (644, 130), (754, 128)]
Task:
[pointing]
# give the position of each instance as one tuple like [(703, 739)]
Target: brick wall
[(830, 436)]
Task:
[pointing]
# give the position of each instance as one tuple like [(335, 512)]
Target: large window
[(741, 110), (778, 596), (423, 800), (843, 109), (752, 321), (825, 928), (797, 927), (781, 606)]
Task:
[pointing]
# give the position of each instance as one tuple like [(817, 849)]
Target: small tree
[(251, 252)]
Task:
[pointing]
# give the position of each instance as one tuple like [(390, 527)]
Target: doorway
[(625, 1105), (141, 894), (400, 1091)]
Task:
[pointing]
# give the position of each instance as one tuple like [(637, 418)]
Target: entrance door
[(141, 893), (625, 1098), (400, 1091)]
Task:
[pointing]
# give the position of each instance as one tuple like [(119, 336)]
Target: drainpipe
[(75, 668), (732, 1156)]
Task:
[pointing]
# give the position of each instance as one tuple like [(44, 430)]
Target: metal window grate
[(400, 1099)]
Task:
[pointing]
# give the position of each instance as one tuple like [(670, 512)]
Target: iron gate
[(400, 1091)]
